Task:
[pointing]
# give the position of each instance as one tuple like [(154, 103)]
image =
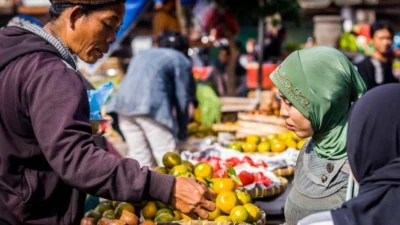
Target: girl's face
[(295, 121)]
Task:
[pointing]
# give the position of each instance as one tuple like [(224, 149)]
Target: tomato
[(258, 177), (261, 163), (246, 178), (215, 163), (233, 161), (221, 173), (248, 160), (266, 182)]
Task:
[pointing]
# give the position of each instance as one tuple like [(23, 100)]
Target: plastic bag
[(97, 99)]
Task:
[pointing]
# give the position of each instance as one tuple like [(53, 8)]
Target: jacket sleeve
[(59, 111), (184, 94)]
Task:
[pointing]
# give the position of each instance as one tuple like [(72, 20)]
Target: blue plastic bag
[(97, 98)]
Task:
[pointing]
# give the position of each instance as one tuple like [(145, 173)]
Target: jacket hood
[(16, 42)]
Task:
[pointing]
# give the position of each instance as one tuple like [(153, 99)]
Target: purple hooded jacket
[(48, 160)]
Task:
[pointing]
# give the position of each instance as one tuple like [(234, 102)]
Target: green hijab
[(321, 83)]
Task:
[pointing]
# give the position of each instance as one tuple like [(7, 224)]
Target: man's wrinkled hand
[(192, 198)]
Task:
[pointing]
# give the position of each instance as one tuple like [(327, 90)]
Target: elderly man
[(48, 159)]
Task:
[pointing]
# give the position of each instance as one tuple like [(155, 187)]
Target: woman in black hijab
[(373, 146)]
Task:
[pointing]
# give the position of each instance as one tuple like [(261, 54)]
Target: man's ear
[(73, 15)]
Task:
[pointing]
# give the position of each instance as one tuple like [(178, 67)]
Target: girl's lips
[(290, 127)]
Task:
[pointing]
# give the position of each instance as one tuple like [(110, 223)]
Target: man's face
[(90, 35), (223, 56), (382, 41)]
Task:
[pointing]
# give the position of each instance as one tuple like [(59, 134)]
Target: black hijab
[(373, 146)]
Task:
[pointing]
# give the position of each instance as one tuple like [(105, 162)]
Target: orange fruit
[(171, 159), (93, 214), (214, 214), (178, 170), (249, 147), (264, 147), (300, 144), (290, 143), (294, 136), (253, 211), (178, 215), (243, 197), (164, 217), (270, 137), (189, 165), (203, 170), (149, 211), (223, 219), (236, 146), (123, 206), (161, 205), (148, 222), (165, 210), (226, 201), (185, 217), (278, 146), (223, 184), (239, 214), (254, 139), (161, 169), (284, 136)]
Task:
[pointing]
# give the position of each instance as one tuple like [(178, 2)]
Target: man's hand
[(192, 198)]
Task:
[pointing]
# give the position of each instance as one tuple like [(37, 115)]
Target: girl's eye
[(288, 103)]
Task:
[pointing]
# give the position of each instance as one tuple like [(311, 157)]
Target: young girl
[(317, 86)]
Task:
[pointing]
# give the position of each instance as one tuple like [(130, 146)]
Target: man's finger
[(208, 205), (202, 213), (192, 215), (210, 195)]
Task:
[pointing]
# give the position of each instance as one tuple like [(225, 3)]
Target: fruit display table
[(233, 205)]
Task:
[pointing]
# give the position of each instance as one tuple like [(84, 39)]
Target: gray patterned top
[(319, 185)]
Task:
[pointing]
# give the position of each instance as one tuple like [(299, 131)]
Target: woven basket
[(284, 172), (262, 221), (270, 191)]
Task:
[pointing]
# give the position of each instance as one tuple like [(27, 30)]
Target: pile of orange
[(271, 143), (232, 205)]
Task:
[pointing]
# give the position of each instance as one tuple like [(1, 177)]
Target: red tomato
[(261, 163), (258, 177), (221, 173), (248, 160), (233, 161), (266, 182), (215, 164), (246, 178)]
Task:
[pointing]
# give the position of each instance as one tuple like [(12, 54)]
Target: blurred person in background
[(377, 69), (158, 83), (165, 19), (218, 77), (251, 53)]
